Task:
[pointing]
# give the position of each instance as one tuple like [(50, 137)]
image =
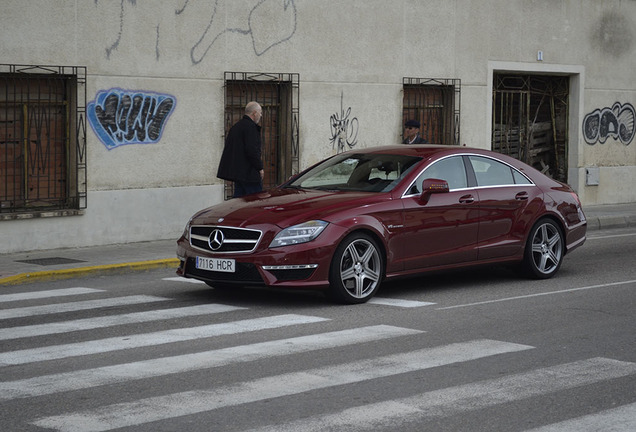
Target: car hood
[(285, 207)]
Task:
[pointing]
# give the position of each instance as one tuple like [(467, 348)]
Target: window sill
[(40, 214)]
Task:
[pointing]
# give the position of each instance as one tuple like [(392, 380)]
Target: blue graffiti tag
[(119, 117)]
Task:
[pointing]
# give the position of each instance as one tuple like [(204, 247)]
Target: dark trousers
[(246, 188)]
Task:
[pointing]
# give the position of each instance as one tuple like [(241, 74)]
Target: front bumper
[(304, 265)]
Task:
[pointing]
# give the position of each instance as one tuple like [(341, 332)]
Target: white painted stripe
[(182, 279), (607, 285), (192, 402), (455, 400), (621, 419), (597, 237), (84, 379), (77, 306), (46, 294), (398, 302), (113, 320), (151, 339)]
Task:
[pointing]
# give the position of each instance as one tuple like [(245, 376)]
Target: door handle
[(467, 199), (521, 196)]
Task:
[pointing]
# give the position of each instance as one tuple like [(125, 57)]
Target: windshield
[(357, 172)]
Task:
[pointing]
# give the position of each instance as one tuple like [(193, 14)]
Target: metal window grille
[(278, 94), (436, 104), (42, 138)]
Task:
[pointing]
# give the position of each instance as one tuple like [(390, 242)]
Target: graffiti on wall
[(266, 22), (344, 130), (119, 117), (616, 122)]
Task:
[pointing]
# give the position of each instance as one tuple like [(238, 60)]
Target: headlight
[(301, 233), (186, 231)]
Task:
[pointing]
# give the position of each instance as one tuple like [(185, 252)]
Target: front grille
[(245, 273), (223, 239)]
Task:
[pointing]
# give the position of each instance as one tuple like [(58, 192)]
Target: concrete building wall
[(352, 54)]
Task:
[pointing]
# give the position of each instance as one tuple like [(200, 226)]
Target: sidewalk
[(19, 268)]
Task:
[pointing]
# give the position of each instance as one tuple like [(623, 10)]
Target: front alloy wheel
[(544, 251), (356, 270)]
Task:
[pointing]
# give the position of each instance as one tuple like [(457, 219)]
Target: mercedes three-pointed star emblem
[(216, 239)]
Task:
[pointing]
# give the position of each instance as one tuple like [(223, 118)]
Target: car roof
[(425, 150), (428, 150)]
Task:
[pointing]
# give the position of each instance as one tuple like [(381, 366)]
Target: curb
[(610, 222), (49, 275)]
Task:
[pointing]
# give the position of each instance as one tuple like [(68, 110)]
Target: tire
[(357, 269), (544, 250)]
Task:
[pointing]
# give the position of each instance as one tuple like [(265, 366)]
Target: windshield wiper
[(327, 188)]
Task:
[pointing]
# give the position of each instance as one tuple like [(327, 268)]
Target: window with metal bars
[(42, 138), (435, 103)]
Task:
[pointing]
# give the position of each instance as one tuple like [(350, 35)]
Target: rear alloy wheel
[(356, 269), (544, 250)]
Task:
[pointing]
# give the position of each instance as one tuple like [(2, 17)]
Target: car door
[(507, 202), (443, 229)]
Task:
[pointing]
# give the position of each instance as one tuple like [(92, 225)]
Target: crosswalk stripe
[(375, 300), (150, 339), (84, 379), (113, 320), (77, 306), (399, 302), (46, 294), (182, 279), (615, 419), (197, 401), (468, 397)]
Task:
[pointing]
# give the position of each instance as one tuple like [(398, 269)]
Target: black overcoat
[(241, 159)]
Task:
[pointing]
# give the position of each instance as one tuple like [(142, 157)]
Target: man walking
[(241, 161)]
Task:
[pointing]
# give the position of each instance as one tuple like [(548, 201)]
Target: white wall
[(349, 55), (121, 216)]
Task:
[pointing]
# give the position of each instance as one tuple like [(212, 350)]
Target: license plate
[(216, 264)]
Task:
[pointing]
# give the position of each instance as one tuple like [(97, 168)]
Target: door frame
[(576, 74)]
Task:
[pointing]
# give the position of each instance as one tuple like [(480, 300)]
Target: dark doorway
[(530, 120), (278, 96)]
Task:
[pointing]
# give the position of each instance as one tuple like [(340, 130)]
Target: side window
[(450, 169), (520, 178), (490, 172)]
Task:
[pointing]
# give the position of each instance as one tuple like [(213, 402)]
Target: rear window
[(491, 172)]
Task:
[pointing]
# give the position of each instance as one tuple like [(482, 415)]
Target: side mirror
[(433, 186)]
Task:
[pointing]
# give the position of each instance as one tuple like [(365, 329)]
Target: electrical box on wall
[(592, 176)]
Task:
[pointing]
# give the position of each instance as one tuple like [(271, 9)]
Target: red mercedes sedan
[(358, 218)]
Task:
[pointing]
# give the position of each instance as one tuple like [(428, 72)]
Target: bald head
[(254, 111)]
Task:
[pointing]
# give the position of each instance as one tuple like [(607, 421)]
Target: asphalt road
[(479, 350)]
